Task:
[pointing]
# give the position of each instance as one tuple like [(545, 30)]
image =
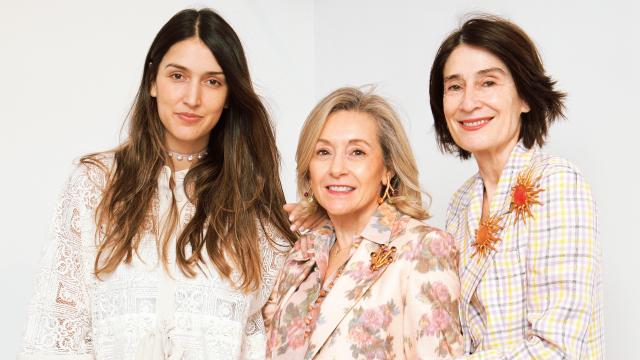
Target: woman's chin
[(347, 210), (338, 210)]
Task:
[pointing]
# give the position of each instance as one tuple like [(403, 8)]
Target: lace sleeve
[(59, 321), (273, 253)]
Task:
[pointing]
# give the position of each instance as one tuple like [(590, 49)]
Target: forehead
[(468, 60), (192, 54), (347, 125)]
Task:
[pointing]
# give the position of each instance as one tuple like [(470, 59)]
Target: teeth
[(475, 123), (340, 188)]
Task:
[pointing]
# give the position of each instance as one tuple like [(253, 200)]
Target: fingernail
[(292, 227)]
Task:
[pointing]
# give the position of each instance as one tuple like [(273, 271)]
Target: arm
[(563, 275), (431, 321), (59, 322)]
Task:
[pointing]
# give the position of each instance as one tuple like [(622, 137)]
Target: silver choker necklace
[(189, 157)]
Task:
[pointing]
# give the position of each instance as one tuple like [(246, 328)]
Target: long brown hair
[(235, 188), (512, 46)]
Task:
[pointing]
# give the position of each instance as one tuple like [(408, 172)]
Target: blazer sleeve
[(59, 321), (431, 322), (564, 307), (271, 305)]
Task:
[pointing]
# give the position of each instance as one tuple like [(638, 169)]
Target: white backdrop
[(71, 68)]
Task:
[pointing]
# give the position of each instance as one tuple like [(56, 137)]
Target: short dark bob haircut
[(515, 49)]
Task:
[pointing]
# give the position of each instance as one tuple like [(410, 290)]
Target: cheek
[(449, 105), (370, 175), (315, 174), (215, 101), (449, 108), (166, 94)]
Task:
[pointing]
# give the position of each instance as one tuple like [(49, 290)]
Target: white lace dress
[(73, 315)]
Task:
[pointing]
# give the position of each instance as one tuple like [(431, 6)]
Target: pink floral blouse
[(405, 309)]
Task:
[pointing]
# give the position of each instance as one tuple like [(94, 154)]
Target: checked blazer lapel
[(472, 269)]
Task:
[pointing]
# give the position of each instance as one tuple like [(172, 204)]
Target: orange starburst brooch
[(524, 194), (486, 235)]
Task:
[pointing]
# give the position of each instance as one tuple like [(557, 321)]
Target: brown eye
[(454, 87), (213, 82)]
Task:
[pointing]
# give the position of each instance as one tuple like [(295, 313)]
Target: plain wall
[(71, 69)]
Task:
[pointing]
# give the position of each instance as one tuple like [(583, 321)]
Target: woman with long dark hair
[(168, 245)]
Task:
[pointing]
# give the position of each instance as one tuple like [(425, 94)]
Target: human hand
[(303, 224)]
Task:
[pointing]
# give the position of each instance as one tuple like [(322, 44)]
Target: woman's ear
[(387, 176), (153, 91)]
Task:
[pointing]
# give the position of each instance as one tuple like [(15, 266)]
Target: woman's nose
[(337, 166), (192, 94), (470, 99)]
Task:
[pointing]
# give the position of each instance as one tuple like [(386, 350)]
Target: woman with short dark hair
[(526, 222), (168, 245)]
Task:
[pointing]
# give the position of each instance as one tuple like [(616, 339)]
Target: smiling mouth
[(340, 189), (474, 124)]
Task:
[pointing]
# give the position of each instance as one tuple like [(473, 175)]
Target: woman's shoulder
[(431, 247), (553, 164), (92, 165), (90, 172), (557, 175), (422, 231), (271, 237)]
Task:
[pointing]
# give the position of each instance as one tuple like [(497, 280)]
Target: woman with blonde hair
[(168, 245), (381, 283)]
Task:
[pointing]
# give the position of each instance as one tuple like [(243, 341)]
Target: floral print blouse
[(405, 309)]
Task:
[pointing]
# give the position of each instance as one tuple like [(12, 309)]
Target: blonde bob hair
[(398, 157)]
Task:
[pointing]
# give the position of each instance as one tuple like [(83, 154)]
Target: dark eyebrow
[(481, 72), (452, 77), (496, 69), (185, 69)]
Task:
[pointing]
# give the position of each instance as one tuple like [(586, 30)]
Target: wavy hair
[(235, 188), (397, 153)]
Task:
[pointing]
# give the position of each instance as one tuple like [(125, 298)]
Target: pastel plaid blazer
[(539, 294)]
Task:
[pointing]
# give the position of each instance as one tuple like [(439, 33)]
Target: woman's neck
[(490, 166), (348, 227), (184, 157)]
